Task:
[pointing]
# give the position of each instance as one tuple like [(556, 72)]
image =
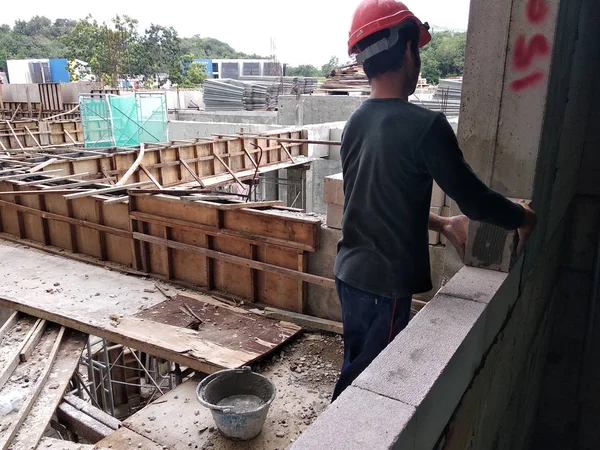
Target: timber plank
[(8, 435), (35, 424)]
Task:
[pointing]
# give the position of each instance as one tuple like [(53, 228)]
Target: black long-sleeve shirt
[(391, 152)]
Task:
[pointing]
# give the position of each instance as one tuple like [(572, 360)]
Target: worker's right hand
[(527, 227)]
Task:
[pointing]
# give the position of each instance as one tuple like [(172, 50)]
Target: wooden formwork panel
[(162, 222), (255, 251)]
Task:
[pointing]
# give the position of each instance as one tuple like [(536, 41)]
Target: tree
[(326, 69), (304, 70), (212, 48), (444, 56), (194, 75)]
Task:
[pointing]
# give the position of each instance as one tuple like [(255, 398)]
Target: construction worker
[(391, 152)]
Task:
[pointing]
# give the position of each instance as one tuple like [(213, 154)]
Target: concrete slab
[(255, 117), (418, 370), (384, 424)]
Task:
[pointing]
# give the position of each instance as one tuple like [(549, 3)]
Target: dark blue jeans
[(370, 322)]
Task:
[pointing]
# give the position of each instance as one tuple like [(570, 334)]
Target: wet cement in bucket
[(242, 403)]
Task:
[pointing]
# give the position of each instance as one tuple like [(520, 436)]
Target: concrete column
[(509, 65)]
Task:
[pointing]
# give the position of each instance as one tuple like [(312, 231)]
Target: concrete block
[(315, 183), (317, 133), (333, 189), (438, 198), (349, 424), (334, 215), (323, 302), (431, 363), (475, 284), (489, 246)]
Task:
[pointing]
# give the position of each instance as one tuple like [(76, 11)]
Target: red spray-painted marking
[(528, 81), (524, 53), (537, 10)]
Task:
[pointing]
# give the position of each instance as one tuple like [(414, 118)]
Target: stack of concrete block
[(333, 196)]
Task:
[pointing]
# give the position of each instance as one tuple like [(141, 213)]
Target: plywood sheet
[(105, 303)]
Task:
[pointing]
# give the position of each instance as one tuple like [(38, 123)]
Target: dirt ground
[(304, 372)]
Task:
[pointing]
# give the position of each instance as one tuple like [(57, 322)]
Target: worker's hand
[(455, 230), (527, 227)]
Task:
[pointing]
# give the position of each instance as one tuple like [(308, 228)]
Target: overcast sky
[(305, 31)]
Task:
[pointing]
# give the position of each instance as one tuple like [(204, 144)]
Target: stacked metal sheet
[(221, 95), (445, 98), (252, 92)]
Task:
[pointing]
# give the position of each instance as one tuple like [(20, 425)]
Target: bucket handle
[(205, 381)]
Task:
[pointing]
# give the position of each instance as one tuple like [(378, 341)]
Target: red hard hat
[(372, 16)]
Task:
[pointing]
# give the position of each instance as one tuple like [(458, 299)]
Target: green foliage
[(326, 69), (304, 70), (36, 38), (444, 56), (210, 48)]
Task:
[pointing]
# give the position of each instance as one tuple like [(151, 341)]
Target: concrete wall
[(537, 387), (192, 130), (20, 92), (30, 92), (253, 117), (317, 108)]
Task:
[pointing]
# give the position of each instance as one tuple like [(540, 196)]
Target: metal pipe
[(108, 378), (91, 375)]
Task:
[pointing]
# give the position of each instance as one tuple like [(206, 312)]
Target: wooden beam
[(92, 411), (42, 165), (108, 190), (8, 435), (231, 172), (308, 322), (52, 178), (194, 175), (19, 176), (8, 369), (81, 424), (33, 137), (149, 175), (133, 167), (294, 274), (33, 340), (14, 317), (14, 134)]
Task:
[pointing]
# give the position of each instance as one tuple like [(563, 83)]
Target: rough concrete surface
[(317, 108), (193, 129), (377, 423)]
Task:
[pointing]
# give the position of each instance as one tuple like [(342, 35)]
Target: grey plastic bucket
[(225, 384)]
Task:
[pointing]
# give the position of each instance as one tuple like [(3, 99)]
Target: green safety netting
[(123, 120)]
